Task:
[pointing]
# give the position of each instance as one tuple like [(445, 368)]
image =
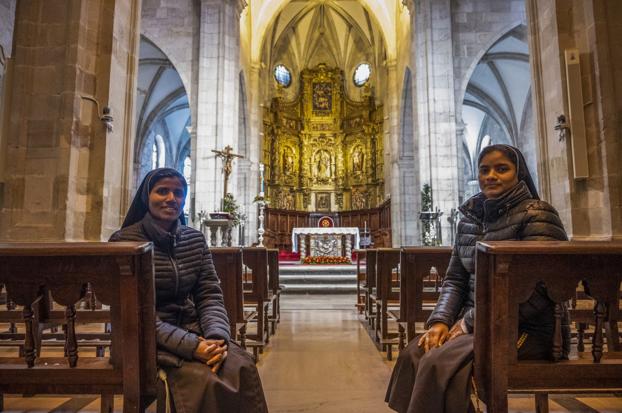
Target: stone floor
[(321, 360)]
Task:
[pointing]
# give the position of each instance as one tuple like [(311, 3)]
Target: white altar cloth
[(324, 231)]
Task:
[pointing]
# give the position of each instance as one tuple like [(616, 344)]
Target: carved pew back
[(417, 296), (122, 275), (387, 259), (361, 285), (507, 272), (274, 287), (228, 264), (370, 282), (256, 259)]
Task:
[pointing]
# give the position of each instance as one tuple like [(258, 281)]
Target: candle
[(365, 230), (261, 192)]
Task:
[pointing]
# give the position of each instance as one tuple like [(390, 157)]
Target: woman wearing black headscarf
[(204, 370), (433, 373)]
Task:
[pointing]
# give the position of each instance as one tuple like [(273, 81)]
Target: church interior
[(327, 146)]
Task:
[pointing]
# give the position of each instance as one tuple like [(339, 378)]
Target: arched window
[(158, 154), (361, 74), (282, 75)]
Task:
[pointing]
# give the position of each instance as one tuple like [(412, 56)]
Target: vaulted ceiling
[(334, 32), (339, 33)]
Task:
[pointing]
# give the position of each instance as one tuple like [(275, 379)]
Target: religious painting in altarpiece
[(323, 150)]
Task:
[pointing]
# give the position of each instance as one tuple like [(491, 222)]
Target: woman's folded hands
[(211, 352), (439, 333)]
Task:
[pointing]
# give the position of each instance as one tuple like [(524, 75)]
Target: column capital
[(410, 5), (240, 6)]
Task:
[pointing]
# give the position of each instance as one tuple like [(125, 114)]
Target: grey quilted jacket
[(516, 215), (187, 288)]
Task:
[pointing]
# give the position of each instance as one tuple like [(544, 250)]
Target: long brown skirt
[(437, 381), (236, 388), (440, 380)]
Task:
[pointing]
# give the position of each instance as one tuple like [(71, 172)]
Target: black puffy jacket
[(516, 215), (186, 286)]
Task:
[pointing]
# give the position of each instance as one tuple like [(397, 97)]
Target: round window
[(282, 75), (361, 74)]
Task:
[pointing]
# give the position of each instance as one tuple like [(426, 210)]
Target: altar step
[(318, 279)]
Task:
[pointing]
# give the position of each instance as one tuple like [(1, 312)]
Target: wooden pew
[(228, 264), (361, 285), (507, 272), (122, 275), (274, 287), (419, 293), (386, 296), (370, 282), (257, 296)]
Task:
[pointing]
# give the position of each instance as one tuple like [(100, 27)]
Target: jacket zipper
[(174, 264)]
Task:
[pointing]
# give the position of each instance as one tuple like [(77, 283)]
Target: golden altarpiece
[(323, 151)]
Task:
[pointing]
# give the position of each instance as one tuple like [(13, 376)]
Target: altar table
[(325, 241)]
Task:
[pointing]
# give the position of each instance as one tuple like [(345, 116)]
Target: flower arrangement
[(326, 260)]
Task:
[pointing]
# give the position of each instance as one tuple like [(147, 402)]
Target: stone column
[(590, 208), (434, 90), (218, 94), (255, 138), (67, 177), (391, 152)]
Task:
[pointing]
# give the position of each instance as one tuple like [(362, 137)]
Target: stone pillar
[(391, 152), (66, 176), (218, 94), (254, 141), (7, 20), (434, 89), (590, 208)]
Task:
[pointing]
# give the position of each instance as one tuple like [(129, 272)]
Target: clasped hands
[(211, 352), (438, 334)]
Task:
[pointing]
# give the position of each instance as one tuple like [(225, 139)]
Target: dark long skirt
[(236, 388), (440, 380)]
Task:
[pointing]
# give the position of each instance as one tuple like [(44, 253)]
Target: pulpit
[(333, 242)]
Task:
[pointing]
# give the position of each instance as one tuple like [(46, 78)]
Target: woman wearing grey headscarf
[(204, 370), (433, 373)]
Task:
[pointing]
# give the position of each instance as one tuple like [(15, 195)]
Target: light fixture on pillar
[(106, 114)]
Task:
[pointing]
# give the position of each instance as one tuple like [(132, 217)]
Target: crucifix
[(227, 163)]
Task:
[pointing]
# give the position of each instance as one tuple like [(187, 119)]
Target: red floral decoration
[(326, 260)]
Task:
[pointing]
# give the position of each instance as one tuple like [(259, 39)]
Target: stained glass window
[(282, 75), (361, 74)]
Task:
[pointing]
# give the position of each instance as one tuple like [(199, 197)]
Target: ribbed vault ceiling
[(339, 33)]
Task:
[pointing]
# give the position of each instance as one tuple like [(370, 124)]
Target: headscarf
[(140, 203), (517, 158)]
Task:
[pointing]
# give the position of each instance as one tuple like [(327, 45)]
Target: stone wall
[(63, 179), (590, 208)]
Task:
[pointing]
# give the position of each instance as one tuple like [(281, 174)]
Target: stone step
[(319, 289), (318, 279)]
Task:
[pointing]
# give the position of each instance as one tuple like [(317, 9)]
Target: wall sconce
[(106, 114), (562, 127)]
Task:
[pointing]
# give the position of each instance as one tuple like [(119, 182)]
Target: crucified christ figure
[(227, 163)]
